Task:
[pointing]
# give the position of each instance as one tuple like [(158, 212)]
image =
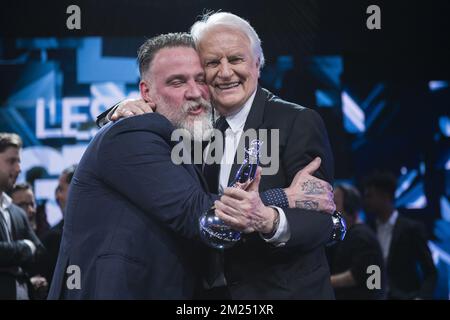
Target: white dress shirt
[(233, 134), (384, 233), (5, 203)]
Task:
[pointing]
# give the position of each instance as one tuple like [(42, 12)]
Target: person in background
[(31, 176), (19, 245), (411, 273), (22, 195), (360, 249)]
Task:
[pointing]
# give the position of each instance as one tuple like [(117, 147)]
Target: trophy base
[(215, 233)]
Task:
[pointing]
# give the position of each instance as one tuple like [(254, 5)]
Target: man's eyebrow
[(211, 57)]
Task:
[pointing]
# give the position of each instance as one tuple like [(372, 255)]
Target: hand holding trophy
[(214, 232)]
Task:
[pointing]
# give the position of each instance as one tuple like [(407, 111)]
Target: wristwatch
[(339, 228), (275, 225)]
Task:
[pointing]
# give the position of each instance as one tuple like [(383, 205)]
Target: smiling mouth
[(226, 86)]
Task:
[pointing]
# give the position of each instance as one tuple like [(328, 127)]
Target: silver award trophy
[(214, 232)]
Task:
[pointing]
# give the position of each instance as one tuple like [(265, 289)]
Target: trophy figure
[(214, 232)]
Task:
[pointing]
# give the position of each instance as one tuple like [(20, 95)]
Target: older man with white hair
[(231, 54)]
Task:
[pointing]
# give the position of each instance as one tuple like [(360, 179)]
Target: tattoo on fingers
[(312, 187), (307, 204)]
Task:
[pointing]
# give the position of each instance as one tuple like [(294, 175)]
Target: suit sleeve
[(308, 139), (18, 253), (15, 253), (138, 165), (102, 118)]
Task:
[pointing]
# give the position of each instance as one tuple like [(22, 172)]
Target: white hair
[(232, 21)]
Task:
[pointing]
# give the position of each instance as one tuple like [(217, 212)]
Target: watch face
[(339, 226)]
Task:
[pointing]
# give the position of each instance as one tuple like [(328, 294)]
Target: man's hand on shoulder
[(130, 107)]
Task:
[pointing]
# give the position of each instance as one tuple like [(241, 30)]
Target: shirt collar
[(237, 121), (5, 201)]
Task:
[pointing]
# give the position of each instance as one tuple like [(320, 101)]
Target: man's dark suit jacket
[(258, 270), (131, 217), (410, 269), (16, 254)]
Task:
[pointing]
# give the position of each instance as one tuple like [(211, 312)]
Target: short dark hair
[(352, 198), (8, 139), (21, 186), (70, 171), (150, 47), (383, 181)]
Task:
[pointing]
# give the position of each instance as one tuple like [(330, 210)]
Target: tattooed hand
[(313, 187), (309, 192), (307, 204)]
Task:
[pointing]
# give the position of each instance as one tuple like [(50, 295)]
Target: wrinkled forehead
[(223, 30)]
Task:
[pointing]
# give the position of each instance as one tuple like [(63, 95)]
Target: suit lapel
[(3, 236), (254, 121), (15, 223)]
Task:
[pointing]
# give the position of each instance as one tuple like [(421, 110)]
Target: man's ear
[(258, 65), (144, 88)]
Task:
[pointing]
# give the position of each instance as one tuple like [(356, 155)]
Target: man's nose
[(17, 168), (31, 208), (225, 70), (194, 91)]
